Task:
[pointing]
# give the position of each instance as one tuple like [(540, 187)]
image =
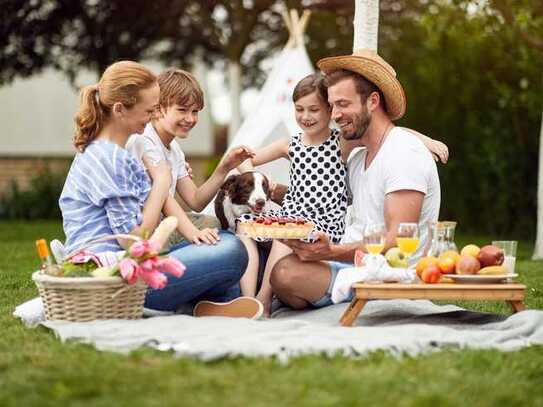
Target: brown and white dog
[(244, 193)]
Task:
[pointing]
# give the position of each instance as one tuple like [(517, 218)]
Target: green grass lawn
[(37, 370)]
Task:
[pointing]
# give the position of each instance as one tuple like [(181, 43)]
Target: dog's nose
[(260, 202)]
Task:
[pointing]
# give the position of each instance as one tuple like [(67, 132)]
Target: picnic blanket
[(397, 326)]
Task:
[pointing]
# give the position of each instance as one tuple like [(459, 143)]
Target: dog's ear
[(230, 184), (266, 186)]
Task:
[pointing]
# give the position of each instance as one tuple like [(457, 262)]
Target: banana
[(492, 270)]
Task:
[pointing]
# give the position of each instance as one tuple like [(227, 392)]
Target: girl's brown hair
[(120, 82), (308, 85)]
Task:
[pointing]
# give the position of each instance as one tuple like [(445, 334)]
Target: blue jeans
[(213, 273)]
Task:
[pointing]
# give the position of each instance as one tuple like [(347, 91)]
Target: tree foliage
[(471, 83), (472, 71), (69, 35)]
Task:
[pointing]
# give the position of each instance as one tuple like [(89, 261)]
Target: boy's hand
[(235, 157), (207, 236)]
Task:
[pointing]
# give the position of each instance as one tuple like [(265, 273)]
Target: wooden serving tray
[(511, 293)]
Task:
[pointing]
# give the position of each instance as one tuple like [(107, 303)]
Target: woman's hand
[(189, 170), (207, 236), (235, 157), (439, 150)]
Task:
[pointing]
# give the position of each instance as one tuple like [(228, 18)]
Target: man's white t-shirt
[(149, 144), (402, 163)]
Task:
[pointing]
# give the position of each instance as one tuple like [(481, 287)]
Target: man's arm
[(401, 206)]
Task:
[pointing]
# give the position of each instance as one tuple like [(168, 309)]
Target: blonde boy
[(181, 99)]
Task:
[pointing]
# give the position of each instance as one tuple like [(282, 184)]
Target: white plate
[(479, 279)]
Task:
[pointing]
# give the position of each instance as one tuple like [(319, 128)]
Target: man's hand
[(235, 157), (319, 250)]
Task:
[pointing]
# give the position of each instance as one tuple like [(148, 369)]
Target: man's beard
[(361, 123)]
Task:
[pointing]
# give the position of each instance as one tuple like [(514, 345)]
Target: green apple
[(395, 258)]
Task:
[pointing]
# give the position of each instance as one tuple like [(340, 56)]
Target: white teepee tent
[(273, 115)]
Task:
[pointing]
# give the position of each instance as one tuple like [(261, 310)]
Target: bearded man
[(393, 177)]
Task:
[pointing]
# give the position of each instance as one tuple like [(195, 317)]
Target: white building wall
[(36, 117)]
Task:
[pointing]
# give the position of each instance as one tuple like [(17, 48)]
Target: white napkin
[(375, 270), (31, 312)]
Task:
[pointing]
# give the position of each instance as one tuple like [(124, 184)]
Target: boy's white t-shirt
[(149, 144), (402, 163)]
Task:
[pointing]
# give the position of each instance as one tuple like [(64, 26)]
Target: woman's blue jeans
[(213, 273)]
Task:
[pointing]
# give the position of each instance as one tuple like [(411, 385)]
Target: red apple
[(431, 274), (467, 265), (490, 256)]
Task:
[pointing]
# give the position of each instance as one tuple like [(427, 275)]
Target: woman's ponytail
[(89, 118), (121, 82)]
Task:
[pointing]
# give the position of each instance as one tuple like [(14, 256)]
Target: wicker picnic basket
[(90, 298)]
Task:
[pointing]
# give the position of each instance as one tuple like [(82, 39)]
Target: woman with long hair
[(107, 191)]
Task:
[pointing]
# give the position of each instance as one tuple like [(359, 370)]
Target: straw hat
[(374, 68)]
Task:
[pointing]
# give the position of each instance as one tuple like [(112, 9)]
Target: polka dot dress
[(317, 186)]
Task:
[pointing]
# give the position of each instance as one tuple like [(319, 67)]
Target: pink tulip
[(129, 270), (150, 265), (171, 266), (143, 247), (155, 279)]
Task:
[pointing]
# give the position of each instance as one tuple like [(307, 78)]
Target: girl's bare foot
[(266, 302)]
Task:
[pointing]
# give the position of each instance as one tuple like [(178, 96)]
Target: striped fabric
[(103, 194)]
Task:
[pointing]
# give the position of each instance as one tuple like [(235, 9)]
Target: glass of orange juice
[(408, 238), (374, 238)]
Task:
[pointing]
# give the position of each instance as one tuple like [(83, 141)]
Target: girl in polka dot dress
[(317, 189)]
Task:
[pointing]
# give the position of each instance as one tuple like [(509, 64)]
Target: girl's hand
[(266, 301), (439, 150), (235, 157), (207, 236)]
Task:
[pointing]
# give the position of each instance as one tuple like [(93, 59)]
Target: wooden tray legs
[(517, 306), (356, 305), (352, 311)]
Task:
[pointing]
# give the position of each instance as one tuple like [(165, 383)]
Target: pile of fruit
[(486, 260)]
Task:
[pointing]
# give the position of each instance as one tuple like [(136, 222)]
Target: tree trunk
[(366, 24), (538, 249), (234, 79)]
